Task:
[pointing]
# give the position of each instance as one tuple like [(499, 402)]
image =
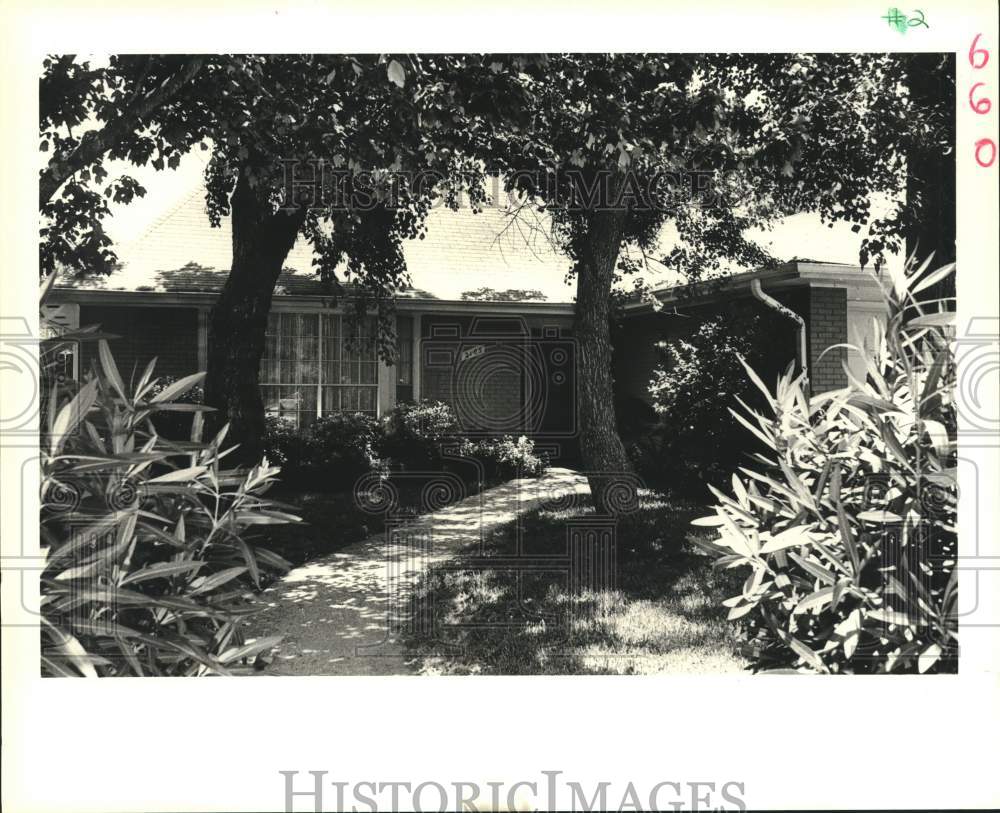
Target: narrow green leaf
[(756, 380), (111, 369), (207, 584), (69, 647), (161, 570), (816, 600), (881, 517), (710, 522), (932, 278), (888, 434), (71, 415), (930, 320), (847, 538), (767, 441), (179, 475), (249, 558), (248, 649), (849, 630), (796, 535), (818, 571), (178, 388), (271, 558)]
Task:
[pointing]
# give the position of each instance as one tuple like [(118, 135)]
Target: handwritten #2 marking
[(896, 19)]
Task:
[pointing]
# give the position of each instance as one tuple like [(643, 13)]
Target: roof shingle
[(463, 251)]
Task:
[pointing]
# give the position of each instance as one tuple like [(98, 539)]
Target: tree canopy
[(611, 146)]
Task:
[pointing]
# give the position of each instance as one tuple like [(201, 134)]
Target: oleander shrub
[(171, 424), (149, 543), (847, 524), (330, 455), (505, 458), (695, 440), (415, 435)]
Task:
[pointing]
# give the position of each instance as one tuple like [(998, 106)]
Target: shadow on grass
[(332, 521), (663, 615)]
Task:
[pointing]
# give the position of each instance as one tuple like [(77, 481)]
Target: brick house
[(489, 330)]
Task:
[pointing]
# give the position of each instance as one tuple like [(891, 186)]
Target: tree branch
[(96, 143)]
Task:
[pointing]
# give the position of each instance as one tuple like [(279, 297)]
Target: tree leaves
[(178, 388), (143, 554), (71, 415), (396, 73)]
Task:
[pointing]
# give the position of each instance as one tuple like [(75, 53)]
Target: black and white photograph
[(498, 364), (364, 363)]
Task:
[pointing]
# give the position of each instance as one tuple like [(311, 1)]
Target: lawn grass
[(664, 616)]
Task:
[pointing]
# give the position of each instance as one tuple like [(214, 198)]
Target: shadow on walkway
[(342, 614)]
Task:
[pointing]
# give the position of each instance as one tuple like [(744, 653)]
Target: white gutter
[(774, 304)]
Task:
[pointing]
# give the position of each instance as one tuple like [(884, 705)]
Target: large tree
[(350, 153), (609, 145), (620, 145)]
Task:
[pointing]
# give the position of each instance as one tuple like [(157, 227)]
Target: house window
[(315, 364), (404, 358), (58, 359)]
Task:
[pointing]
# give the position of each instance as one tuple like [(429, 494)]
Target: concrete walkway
[(342, 614)]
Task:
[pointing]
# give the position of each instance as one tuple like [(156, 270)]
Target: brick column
[(827, 323)]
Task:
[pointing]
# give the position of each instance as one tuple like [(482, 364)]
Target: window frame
[(321, 384)]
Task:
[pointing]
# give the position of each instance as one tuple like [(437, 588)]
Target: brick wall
[(502, 375), (169, 334), (481, 379), (827, 322)]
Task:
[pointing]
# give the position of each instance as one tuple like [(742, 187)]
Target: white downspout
[(774, 304)]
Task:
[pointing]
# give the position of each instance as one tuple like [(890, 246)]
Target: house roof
[(463, 252), (859, 285), (485, 256)]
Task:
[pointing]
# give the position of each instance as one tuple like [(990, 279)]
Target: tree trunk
[(596, 251), (238, 322)]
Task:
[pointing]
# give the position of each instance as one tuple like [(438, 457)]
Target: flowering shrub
[(847, 526), (147, 541), (413, 435), (337, 450), (330, 455), (505, 458)]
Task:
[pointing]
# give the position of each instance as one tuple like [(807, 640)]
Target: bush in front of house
[(414, 435), (419, 437), (505, 458), (149, 549), (330, 455), (695, 440), (847, 524), (336, 450)]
